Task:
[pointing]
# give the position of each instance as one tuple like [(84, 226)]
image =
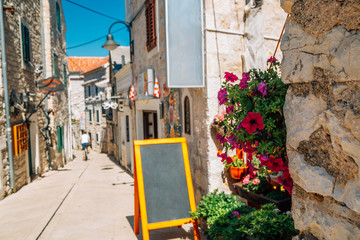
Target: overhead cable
[(94, 40), (91, 10)]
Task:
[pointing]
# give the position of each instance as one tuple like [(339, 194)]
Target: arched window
[(187, 121)]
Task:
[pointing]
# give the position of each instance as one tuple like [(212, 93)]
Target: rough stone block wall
[(21, 79), (55, 43), (321, 49), (21, 170)]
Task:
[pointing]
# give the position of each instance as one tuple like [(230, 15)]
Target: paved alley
[(83, 200)]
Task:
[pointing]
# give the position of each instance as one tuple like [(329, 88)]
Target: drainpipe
[(6, 99), (45, 76)]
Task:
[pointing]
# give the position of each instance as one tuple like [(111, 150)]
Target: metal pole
[(128, 25), (6, 100)]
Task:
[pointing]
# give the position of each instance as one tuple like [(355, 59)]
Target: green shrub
[(229, 219), (217, 204)]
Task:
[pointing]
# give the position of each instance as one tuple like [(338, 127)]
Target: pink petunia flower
[(263, 89), (230, 77), (252, 122), (246, 180), (244, 80), (222, 96), (272, 59), (256, 181)]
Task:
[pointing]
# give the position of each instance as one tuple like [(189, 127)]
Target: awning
[(96, 81), (103, 83)]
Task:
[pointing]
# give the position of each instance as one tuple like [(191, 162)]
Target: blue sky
[(83, 25)]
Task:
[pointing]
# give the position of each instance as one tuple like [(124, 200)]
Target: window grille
[(150, 25), (19, 138)]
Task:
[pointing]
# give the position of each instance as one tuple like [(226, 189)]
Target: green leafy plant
[(217, 204), (268, 224), (229, 219)]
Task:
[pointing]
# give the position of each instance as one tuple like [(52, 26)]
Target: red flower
[(275, 164), (230, 77), (286, 180), (272, 59), (221, 138), (252, 121), (224, 157)]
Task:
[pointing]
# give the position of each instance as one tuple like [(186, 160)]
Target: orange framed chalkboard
[(164, 194)]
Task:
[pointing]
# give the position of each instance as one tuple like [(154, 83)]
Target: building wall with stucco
[(237, 36)]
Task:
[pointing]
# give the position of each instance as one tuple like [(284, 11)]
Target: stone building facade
[(56, 65), (77, 66), (321, 50), (96, 87), (238, 35), (25, 34)]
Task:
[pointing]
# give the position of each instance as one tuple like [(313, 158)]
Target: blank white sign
[(184, 43)]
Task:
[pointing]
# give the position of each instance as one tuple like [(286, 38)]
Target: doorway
[(150, 125)]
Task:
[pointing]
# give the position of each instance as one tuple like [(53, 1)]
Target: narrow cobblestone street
[(84, 200)]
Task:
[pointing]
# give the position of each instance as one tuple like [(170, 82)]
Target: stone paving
[(91, 199)]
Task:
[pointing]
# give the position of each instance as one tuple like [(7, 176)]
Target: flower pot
[(258, 199), (238, 172)]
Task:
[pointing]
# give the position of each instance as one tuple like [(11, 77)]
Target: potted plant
[(260, 189), (254, 121), (235, 165)]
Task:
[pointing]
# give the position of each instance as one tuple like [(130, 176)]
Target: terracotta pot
[(238, 172)]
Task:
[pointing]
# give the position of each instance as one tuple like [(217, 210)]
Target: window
[(19, 138), (89, 90), (97, 137), (187, 119), (55, 65), (96, 90), (127, 129), (90, 116), (64, 75), (25, 37), (150, 125), (97, 116), (60, 138), (150, 25), (58, 18)]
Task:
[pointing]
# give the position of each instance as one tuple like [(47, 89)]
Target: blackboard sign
[(163, 185)]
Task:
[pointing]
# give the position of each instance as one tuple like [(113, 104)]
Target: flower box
[(258, 199)]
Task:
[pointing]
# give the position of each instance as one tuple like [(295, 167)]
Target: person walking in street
[(85, 142)]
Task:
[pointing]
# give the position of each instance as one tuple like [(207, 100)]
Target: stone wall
[(55, 43), (321, 50), (21, 79), (95, 103)]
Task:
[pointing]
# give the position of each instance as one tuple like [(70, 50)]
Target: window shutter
[(25, 35), (65, 75), (150, 25), (58, 139), (58, 19)]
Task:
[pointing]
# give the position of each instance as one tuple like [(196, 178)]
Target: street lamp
[(110, 44)]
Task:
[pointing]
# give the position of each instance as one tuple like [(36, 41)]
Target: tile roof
[(85, 64)]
